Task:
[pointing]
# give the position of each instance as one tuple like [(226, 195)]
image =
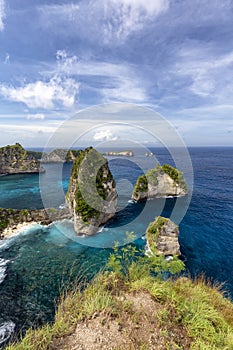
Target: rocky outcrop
[(92, 196), (10, 218), (162, 181), (16, 160), (60, 156), (119, 153), (162, 237)]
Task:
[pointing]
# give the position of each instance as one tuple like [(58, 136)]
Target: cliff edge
[(92, 196), (16, 160)]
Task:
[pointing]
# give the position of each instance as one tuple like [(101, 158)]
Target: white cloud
[(43, 94), (7, 58), (125, 89), (152, 7), (37, 116), (60, 90), (2, 14), (104, 135), (66, 63), (208, 73), (126, 16), (63, 12), (119, 82), (108, 21)]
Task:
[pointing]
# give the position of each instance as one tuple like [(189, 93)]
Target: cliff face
[(60, 156), (92, 196), (162, 237), (10, 218), (16, 160), (162, 181)]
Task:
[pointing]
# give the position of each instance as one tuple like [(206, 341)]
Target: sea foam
[(6, 329), (3, 268)]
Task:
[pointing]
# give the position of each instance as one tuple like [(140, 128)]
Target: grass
[(190, 312)]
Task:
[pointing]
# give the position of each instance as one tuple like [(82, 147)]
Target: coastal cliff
[(162, 181), (92, 196), (59, 155), (11, 218), (16, 160), (132, 305), (162, 237)]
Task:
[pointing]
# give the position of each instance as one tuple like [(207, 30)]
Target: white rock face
[(158, 184), (166, 187), (162, 237)]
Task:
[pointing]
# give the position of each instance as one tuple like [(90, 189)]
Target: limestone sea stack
[(92, 195), (16, 160), (162, 237), (162, 181)]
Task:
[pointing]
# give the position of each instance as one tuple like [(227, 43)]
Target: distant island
[(15, 159), (119, 153)]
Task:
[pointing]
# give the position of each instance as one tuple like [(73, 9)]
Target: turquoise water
[(38, 263)]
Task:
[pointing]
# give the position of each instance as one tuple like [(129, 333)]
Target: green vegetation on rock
[(153, 231), (14, 159), (141, 184), (175, 174), (161, 181), (90, 185), (85, 210)]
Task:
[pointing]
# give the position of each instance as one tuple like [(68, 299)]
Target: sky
[(59, 57)]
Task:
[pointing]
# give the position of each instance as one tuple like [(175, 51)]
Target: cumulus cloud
[(2, 14), (104, 135), (60, 90)]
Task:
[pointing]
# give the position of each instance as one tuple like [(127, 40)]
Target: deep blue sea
[(38, 263)]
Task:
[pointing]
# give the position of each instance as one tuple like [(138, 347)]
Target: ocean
[(40, 262)]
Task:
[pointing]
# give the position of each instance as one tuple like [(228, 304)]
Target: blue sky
[(58, 57)]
